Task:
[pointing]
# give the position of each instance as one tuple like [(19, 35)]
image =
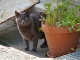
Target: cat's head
[(23, 18)]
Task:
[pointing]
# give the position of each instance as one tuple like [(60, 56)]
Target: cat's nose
[(22, 21)]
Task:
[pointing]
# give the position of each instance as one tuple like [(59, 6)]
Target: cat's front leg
[(27, 45), (35, 42), (44, 44)]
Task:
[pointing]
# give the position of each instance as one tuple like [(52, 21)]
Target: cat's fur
[(28, 26)]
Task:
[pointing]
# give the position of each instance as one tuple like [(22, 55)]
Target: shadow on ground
[(12, 38)]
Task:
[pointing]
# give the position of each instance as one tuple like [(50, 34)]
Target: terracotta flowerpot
[(60, 40)]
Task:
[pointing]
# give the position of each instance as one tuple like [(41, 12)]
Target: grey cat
[(28, 26)]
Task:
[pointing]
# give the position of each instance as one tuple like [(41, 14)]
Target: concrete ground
[(12, 38)]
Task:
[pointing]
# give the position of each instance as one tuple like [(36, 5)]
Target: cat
[(28, 25)]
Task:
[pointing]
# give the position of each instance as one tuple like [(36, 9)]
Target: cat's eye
[(25, 18), (20, 19)]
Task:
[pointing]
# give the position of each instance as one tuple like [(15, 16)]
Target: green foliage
[(78, 29), (65, 14), (40, 29), (72, 49), (2, 13)]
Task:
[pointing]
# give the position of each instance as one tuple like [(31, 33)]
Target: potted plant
[(61, 27)]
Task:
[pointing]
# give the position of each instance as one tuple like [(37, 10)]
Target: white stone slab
[(9, 53), (10, 6)]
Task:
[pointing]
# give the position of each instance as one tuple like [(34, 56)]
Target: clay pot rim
[(50, 56), (55, 29)]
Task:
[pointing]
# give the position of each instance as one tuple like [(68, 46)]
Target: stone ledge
[(9, 53)]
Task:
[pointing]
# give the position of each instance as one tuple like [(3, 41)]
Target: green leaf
[(70, 30), (47, 5), (72, 49), (59, 25), (78, 29), (3, 13), (69, 53), (72, 27), (40, 29)]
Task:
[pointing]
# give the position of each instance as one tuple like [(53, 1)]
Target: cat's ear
[(27, 14), (17, 14)]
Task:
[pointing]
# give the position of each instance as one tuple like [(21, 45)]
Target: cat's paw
[(46, 55), (26, 49), (34, 50), (43, 46)]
